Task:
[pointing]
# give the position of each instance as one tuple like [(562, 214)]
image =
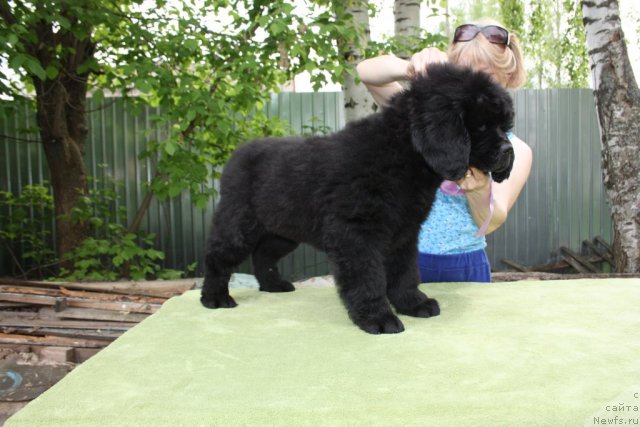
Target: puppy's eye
[(482, 128)]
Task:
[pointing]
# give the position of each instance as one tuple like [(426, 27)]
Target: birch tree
[(358, 102), (617, 99), (406, 14)]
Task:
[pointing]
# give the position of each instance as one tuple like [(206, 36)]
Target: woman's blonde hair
[(506, 62)]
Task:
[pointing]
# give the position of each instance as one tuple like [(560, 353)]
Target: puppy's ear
[(438, 133)]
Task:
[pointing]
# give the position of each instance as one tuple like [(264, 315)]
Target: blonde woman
[(452, 243)]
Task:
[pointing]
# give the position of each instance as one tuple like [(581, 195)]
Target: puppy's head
[(459, 118)]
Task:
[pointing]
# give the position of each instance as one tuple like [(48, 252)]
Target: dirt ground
[(24, 375)]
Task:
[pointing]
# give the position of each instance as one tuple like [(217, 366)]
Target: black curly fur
[(360, 194)]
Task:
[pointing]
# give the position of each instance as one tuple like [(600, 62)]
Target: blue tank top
[(449, 228)]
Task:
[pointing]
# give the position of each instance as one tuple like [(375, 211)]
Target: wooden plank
[(16, 348), (84, 354), (91, 314), (30, 291), (574, 263), (56, 341), (112, 297), (556, 266), (56, 354), (4, 305), (600, 251), (156, 288), (512, 276), (548, 267), (599, 240), (65, 324), (515, 265), (159, 288), (19, 314), (126, 306), (27, 299), (85, 334), (568, 254), (62, 293)]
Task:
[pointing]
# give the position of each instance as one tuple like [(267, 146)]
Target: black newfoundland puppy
[(360, 194)]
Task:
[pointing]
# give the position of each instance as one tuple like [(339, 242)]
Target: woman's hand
[(477, 188), (420, 61), (474, 180)]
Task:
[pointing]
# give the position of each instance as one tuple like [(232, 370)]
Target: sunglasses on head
[(493, 34)]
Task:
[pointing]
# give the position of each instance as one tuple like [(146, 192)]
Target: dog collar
[(453, 189)]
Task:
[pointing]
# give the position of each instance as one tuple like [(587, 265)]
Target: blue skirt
[(466, 267)]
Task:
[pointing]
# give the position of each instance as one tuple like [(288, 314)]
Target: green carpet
[(549, 353)]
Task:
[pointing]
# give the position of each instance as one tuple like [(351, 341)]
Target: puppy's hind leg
[(265, 258), (231, 241), (403, 278)]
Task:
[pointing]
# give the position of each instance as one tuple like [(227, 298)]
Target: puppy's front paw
[(217, 301), (426, 308), (386, 323), (278, 286)]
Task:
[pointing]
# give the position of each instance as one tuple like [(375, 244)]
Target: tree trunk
[(617, 100), (61, 120), (358, 102), (406, 15), (63, 135)]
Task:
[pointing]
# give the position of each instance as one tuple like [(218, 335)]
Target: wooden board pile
[(72, 321), (596, 257)]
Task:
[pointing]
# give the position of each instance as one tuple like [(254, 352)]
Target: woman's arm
[(382, 74), (505, 193)]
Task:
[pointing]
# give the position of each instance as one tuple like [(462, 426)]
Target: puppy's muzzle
[(502, 167)]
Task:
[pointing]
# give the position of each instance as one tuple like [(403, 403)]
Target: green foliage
[(207, 67), (475, 10), (412, 44), (551, 34), (538, 44), (512, 14), (110, 254), (555, 43), (315, 127), (400, 44), (25, 229), (215, 79), (113, 252), (573, 47)]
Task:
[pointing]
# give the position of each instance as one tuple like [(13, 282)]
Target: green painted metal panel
[(562, 204), (564, 201)]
